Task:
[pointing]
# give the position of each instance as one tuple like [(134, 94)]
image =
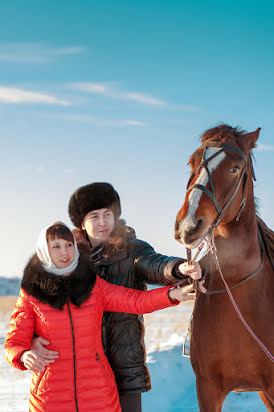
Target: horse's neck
[(237, 245)]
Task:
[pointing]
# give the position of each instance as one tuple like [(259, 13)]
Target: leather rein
[(210, 235), (211, 194), (221, 210)]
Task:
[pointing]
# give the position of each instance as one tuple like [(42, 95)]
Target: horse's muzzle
[(189, 234)]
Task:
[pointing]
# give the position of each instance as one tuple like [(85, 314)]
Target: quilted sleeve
[(20, 331), (120, 299)]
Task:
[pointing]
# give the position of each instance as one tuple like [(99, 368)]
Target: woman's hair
[(60, 231)]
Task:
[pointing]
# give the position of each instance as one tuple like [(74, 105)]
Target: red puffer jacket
[(81, 379)]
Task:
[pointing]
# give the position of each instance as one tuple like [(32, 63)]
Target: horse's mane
[(268, 238), (221, 131)]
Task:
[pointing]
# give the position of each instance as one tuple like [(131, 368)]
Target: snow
[(173, 381)]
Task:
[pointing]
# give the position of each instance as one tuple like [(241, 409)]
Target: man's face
[(98, 224)]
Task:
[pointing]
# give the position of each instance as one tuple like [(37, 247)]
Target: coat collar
[(58, 290), (113, 250)]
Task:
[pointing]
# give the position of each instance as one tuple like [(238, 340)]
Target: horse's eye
[(234, 170)]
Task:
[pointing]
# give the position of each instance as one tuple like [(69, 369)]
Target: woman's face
[(98, 224), (61, 251)]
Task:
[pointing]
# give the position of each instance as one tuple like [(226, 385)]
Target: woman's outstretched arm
[(121, 299)]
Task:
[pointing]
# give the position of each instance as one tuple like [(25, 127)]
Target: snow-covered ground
[(173, 381)]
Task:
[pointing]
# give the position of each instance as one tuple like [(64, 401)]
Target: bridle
[(220, 210), (211, 194), (209, 238)]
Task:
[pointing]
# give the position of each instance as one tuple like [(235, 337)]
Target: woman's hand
[(184, 293), (193, 271)]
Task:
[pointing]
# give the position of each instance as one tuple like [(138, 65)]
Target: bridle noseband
[(211, 194), (220, 211)]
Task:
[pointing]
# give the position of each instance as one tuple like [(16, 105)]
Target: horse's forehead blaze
[(193, 198)]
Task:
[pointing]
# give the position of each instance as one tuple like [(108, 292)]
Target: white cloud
[(115, 93), (264, 148), (85, 118), (112, 90), (96, 88), (142, 98), (13, 95), (66, 51), (34, 52), (133, 123)]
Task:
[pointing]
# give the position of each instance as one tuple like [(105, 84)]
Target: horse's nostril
[(200, 222), (197, 227)]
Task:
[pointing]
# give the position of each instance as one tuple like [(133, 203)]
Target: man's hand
[(32, 361), (193, 271), (43, 356)]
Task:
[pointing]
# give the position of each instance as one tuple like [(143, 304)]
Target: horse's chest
[(216, 328), (219, 339)]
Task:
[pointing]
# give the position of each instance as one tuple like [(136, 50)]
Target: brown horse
[(220, 204)]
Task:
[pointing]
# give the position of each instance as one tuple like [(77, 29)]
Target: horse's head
[(216, 191)]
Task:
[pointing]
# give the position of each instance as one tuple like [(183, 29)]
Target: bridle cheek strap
[(211, 194)]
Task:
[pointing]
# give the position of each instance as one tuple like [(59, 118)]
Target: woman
[(63, 300), (120, 259)]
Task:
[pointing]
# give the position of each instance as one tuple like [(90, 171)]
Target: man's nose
[(102, 220)]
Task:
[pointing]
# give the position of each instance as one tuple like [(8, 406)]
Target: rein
[(220, 210), (248, 277), (211, 194), (248, 328), (213, 250)]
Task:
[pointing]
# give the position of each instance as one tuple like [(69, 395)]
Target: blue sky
[(120, 91)]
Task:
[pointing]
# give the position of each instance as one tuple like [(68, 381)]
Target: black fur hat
[(94, 196)]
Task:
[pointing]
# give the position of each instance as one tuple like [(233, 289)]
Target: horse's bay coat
[(81, 379), (224, 353)]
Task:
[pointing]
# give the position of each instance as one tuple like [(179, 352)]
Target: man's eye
[(56, 246)]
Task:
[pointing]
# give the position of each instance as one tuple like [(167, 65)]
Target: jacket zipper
[(102, 366), (74, 360)]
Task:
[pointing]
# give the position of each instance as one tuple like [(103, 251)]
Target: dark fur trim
[(115, 244), (94, 196), (58, 290)]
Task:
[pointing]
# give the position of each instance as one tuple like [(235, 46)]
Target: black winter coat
[(133, 266)]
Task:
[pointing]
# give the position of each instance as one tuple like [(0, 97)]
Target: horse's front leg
[(210, 395)]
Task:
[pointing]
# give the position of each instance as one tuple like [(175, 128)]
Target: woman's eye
[(234, 170), (69, 244)]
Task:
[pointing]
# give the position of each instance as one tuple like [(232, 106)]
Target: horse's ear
[(251, 138)]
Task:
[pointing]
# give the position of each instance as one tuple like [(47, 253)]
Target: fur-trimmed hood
[(114, 248), (58, 290)]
